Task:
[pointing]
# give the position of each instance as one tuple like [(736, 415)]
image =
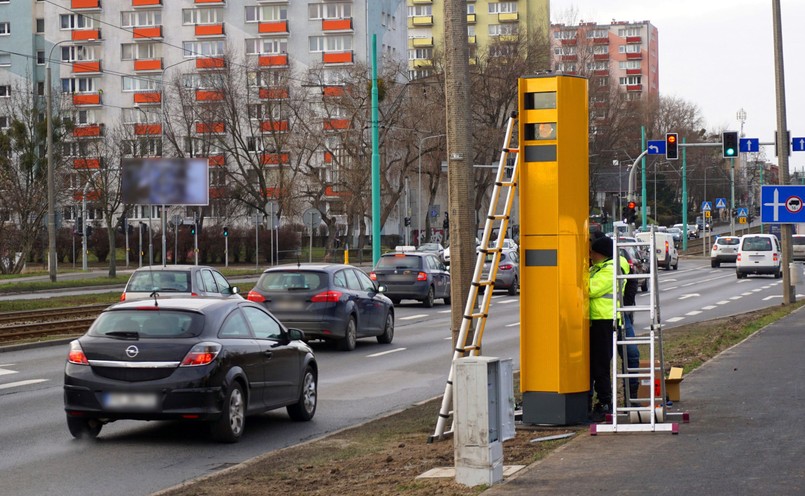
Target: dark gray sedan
[(413, 275)]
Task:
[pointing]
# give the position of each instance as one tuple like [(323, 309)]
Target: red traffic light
[(671, 138), (632, 204)]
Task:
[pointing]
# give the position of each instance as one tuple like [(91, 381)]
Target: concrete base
[(554, 408)]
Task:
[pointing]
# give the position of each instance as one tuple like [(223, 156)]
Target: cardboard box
[(672, 383)]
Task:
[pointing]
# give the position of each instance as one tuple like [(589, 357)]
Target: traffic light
[(193, 229), (79, 226), (671, 146), (729, 144), (226, 231), (631, 212), (408, 221)]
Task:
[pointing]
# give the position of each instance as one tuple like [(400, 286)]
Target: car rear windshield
[(148, 323), (292, 280), (160, 280), (757, 244), (399, 261), (798, 240), (729, 241)]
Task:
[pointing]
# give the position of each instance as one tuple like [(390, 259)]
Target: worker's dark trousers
[(600, 359)]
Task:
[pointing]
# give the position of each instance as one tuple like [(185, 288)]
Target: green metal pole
[(684, 198), (375, 160), (643, 180)]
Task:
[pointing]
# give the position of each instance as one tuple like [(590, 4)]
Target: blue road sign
[(798, 144), (743, 212), (782, 204), (721, 203), (707, 206), (656, 147), (749, 145)]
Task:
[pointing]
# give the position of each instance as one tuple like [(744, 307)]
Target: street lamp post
[(419, 195)]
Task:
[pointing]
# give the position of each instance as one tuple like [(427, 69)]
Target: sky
[(719, 55)]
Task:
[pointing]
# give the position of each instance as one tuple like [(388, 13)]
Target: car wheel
[(304, 409), (396, 301), (84, 428), (676, 265), (778, 274), (350, 336), (446, 300), (388, 330), (428, 301), (740, 275), (514, 288), (714, 264), (229, 428)]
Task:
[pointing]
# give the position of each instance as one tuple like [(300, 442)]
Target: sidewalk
[(746, 435)]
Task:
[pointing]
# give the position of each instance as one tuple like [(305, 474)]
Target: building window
[(601, 81), (40, 26), (202, 16), (40, 90), (630, 80), (273, 46), (420, 10), (194, 49), (78, 85), (318, 11), (629, 64), (502, 7), (629, 49), (141, 18), (266, 13), (5, 91), (40, 57), (73, 53), (140, 51), (140, 84), (633, 31), (564, 34), (563, 50), (503, 29), (564, 67), (140, 116), (5, 59), (330, 43), (5, 28), (420, 53), (597, 33), (76, 21), (597, 66), (600, 49)]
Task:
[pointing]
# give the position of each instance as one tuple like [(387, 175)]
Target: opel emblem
[(132, 351)]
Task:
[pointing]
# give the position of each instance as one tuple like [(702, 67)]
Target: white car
[(798, 247), (724, 250), (664, 249), (759, 254)]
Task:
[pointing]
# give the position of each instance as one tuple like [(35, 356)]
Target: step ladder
[(644, 414), (476, 320)]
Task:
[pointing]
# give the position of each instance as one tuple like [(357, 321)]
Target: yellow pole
[(346, 254)]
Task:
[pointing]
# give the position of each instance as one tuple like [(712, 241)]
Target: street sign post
[(656, 147), (749, 145), (782, 204), (707, 206), (721, 203)]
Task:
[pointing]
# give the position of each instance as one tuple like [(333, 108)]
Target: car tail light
[(715, 247), (666, 247), (193, 295), (255, 296), (76, 354), (775, 257), (739, 257), (201, 354), (505, 267), (422, 276), (373, 276), (327, 297), (123, 297)]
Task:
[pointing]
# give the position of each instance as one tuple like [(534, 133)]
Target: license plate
[(130, 401), (289, 305)]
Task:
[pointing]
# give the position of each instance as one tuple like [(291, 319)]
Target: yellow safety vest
[(601, 297)]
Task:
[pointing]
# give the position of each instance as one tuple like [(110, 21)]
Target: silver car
[(799, 246), (724, 250), (508, 274), (177, 281)]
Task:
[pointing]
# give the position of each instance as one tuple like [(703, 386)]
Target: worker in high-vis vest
[(601, 321)]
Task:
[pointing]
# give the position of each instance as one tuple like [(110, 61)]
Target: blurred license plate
[(289, 305), (139, 401)]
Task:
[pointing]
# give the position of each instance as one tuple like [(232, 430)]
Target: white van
[(664, 249), (759, 254)]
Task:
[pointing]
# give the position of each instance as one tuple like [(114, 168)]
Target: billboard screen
[(165, 181)]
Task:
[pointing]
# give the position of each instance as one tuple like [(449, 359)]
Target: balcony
[(209, 2), (147, 33), (145, 3), (273, 27), (148, 97), (209, 30), (147, 129), (216, 193), (92, 195), (634, 87), (209, 95), (634, 39), (210, 63), (273, 61), (274, 158), (422, 42), (569, 58), (422, 2), (86, 163), (279, 93), (420, 21), (420, 63), (87, 67), (332, 191), (85, 4), (471, 19), (634, 72), (569, 42), (601, 56), (216, 160), (601, 41), (337, 57), (210, 127), (509, 17), (274, 126), (144, 65), (333, 91), (601, 72), (331, 25), (328, 158), (634, 56), (335, 124), (471, 40), (86, 99), (88, 131), (86, 35)]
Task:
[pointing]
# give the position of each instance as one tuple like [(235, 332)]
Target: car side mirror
[(296, 334), (235, 290), (381, 288)]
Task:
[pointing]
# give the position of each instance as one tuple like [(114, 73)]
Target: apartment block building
[(487, 21), (621, 54), (111, 58)]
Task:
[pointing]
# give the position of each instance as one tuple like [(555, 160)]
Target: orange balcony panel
[(90, 131), (634, 56), (217, 193), (275, 126), (336, 24), (601, 41), (634, 87), (85, 4), (601, 56), (336, 124), (272, 27), (210, 127), (336, 57), (209, 30), (216, 160), (273, 60), (634, 39), (569, 58), (571, 42), (210, 63), (333, 91), (87, 66), (91, 195), (148, 97), (86, 35), (330, 191), (274, 93), (147, 129), (209, 96), (328, 158), (147, 33), (274, 158), (86, 163), (634, 72), (208, 1), (87, 99), (148, 65), (145, 3)]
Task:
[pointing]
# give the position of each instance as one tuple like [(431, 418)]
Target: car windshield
[(429, 247), (160, 280), (757, 244), (292, 280), (399, 261), (728, 241), (798, 240), (148, 323)]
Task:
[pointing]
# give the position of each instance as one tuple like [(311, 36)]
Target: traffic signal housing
[(631, 212), (671, 146), (729, 144), (226, 231)]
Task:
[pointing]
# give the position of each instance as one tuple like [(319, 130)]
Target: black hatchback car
[(332, 302), (413, 275), (196, 359)]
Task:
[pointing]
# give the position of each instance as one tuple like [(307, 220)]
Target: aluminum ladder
[(476, 320), (644, 414)]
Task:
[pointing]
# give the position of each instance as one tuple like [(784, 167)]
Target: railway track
[(33, 324)]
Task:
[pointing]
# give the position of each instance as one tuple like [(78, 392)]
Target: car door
[(245, 352), (210, 287), (280, 360), (376, 303), (441, 277), (224, 288), (362, 299)]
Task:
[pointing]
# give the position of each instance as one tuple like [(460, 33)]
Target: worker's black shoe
[(600, 412)]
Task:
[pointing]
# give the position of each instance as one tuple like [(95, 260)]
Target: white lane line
[(690, 284), (709, 307), (757, 290), (507, 301), (690, 295), (735, 297), (749, 293), (694, 312), (722, 302), (513, 325), (412, 317), (675, 319), (6, 371), (669, 280), (767, 286), (21, 383), (385, 352), (669, 289), (444, 311), (772, 296)]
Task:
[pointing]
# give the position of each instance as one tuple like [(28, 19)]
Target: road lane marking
[(21, 383), (747, 294), (411, 317), (757, 290), (373, 355), (507, 301), (669, 289), (4, 371), (675, 319), (513, 325), (722, 302), (694, 312), (689, 295), (772, 296), (444, 311), (690, 284), (709, 307), (735, 297)]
